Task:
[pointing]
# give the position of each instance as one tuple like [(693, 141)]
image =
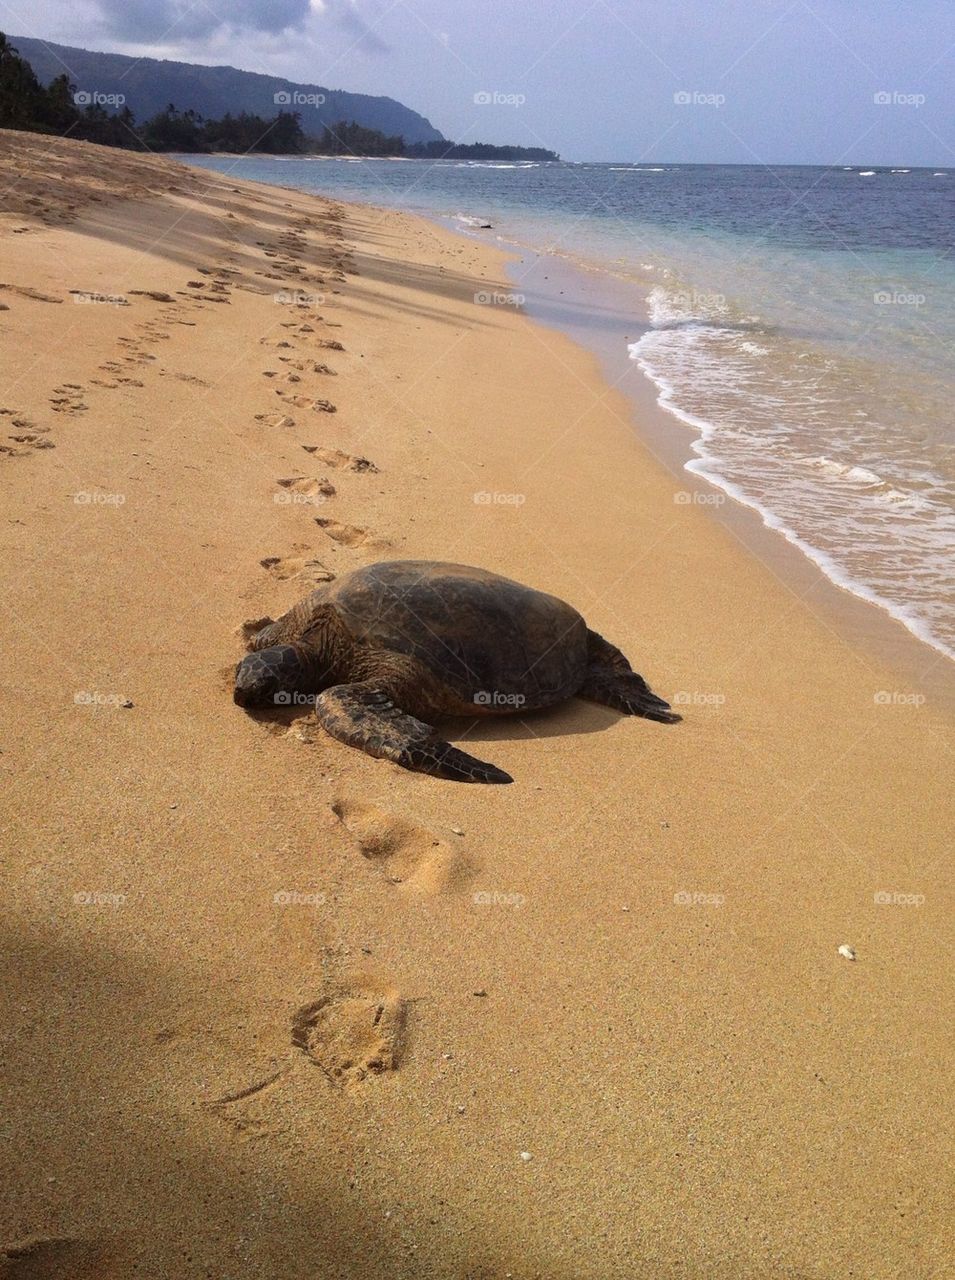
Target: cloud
[(346, 14), (174, 22)]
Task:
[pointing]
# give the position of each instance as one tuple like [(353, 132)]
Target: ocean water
[(802, 333)]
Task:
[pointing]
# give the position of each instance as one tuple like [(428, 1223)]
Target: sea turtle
[(407, 638)]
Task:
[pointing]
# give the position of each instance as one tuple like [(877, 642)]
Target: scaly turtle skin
[(404, 639)]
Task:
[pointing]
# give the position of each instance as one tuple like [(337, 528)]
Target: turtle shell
[(497, 645)]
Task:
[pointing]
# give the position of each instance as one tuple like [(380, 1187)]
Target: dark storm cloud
[(178, 21)]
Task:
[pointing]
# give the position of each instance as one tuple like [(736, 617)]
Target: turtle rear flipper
[(627, 693), (611, 681), (364, 716)]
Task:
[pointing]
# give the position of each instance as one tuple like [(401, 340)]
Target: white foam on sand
[(870, 534)]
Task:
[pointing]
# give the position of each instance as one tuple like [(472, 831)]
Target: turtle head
[(272, 677)]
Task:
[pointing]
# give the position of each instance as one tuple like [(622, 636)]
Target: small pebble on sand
[(847, 951)]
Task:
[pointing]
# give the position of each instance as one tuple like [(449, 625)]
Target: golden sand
[(277, 1009)]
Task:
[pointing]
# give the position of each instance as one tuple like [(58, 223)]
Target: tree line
[(58, 108), (351, 139)]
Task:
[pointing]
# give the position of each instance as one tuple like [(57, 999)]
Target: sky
[(719, 81)]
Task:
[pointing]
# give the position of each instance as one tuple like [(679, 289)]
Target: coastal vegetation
[(59, 107)]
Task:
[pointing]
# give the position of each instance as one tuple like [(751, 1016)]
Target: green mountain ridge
[(148, 85)]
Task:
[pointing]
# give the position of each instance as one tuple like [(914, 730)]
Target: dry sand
[(277, 1009)]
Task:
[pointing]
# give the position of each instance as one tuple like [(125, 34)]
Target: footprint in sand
[(54, 1257), (192, 378), (34, 294), (308, 366), (33, 440), (246, 630), (350, 535), (299, 567), (25, 433), (155, 294), (68, 399), (407, 855), (339, 460), (307, 487), (306, 402), (354, 1031), (275, 419)]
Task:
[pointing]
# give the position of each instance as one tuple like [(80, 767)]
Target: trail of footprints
[(68, 399), (212, 285), (308, 487), (355, 1030)]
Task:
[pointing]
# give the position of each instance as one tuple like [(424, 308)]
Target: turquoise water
[(803, 323)]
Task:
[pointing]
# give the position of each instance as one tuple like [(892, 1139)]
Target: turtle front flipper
[(363, 716)]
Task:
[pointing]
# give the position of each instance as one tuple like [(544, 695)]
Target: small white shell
[(526, 1155), (847, 951)]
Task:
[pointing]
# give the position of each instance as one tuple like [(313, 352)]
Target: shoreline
[(325, 1016), (596, 310)]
